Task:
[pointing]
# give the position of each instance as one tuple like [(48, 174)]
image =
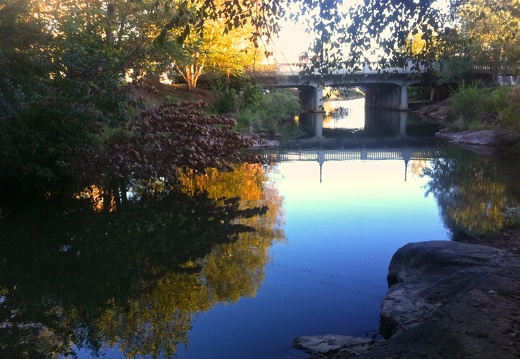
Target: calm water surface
[(152, 278), (330, 274)]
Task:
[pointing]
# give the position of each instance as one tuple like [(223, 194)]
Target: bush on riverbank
[(474, 107), (258, 110), (271, 112), (510, 113)]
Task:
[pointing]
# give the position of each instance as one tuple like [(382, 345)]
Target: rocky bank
[(446, 300)]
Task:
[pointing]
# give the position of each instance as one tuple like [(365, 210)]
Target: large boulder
[(449, 300), (452, 300)]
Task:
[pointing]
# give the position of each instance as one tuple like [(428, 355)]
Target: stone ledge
[(448, 300), (481, 138)]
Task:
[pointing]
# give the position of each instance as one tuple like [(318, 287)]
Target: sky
[(291, 42), (293, 39)]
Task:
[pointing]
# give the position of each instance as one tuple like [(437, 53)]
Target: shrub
[(271, 113), (467, 104), (497, 100), (510, 111), (252, 97), (279, 107), (225, 97)]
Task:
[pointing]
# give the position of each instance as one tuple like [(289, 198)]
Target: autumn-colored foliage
[(162, 140)]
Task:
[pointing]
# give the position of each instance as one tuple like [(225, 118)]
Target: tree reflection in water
[(473, 191), (72, 276)]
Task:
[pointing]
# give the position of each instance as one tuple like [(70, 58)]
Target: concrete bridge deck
[(385, 87)]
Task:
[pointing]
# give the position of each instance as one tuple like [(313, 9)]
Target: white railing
[(368, 68), (294, 69)]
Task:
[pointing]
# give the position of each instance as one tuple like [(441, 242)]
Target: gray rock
[(331, 345), (482, 138), (424, 276), (449, 300)]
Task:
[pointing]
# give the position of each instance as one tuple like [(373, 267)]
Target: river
[(200, 277)]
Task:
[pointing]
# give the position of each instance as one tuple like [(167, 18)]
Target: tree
[(211, 49), (491, 31), (345, 36)]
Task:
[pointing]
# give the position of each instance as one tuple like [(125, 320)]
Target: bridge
[(385, 88)]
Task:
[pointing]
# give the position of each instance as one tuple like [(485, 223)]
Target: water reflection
[(350, 120), (474, 192), (73, 277), (77, 275), (344, 114)]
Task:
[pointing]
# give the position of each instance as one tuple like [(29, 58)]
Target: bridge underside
[(390, 97), (382, 96), (385, 91)]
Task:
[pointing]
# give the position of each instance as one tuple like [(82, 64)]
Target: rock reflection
[(73, 277)]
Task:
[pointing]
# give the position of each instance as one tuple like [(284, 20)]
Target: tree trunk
[(190, 74)]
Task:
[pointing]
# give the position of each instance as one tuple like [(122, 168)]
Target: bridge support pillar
[(402, 123), (317, 117), (371, 97), (403, 99), (393, 101), (318, 98), (312, 98)]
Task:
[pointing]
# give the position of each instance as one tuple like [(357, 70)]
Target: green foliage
[(489, 30), (344, 36), (24, 65), (473, 107), (497, 99), (279, 106), (225, 96), (39, 146), (466, 106), (271, 112), (510, 110), (451, 67), (252, 96)]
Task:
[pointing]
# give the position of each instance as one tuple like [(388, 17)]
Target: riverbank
[(446, 300), (481, 141)]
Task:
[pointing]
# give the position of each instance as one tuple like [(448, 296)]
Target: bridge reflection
[(357, 126), (360, 154), (376, 123)]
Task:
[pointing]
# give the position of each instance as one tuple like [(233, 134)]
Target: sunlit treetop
[(345, 32)]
